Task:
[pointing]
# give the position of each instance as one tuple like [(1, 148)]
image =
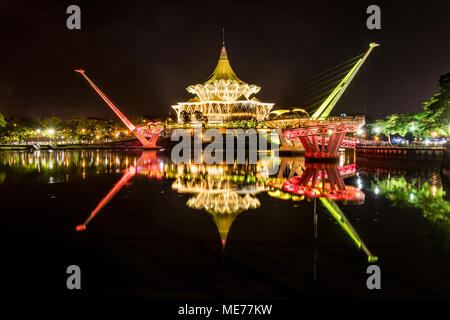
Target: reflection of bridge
[(222, 191), (309, 132), (225, 191), (312, 183)]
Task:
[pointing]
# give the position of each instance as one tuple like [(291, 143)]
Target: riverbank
[(446, 162), (401, 152)]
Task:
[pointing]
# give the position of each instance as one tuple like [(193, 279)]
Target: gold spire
[(223, 70)]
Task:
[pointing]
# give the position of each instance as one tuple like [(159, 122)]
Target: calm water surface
[(139, 225)]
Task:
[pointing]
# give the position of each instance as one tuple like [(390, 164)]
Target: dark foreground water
[(139, 225)]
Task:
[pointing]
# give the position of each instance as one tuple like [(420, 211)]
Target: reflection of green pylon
[(337, 213)]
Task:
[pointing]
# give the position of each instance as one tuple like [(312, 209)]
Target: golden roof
[(223, 83), (223, 70)]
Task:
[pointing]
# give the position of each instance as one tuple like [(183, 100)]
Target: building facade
[(223, 97)]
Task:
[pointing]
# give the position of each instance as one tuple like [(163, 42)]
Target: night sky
[(143, 54)]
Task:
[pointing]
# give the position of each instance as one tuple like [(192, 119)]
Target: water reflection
[(226, 191), (417, 187), (58, 166), (359, 206)]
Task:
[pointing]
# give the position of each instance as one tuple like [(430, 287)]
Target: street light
[(51, 131), (359, 132), (377, 130)]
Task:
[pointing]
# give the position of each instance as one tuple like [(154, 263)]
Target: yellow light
[(434, 190), (434, 134)]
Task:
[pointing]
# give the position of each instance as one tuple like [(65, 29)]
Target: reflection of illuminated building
[(223, 207), (224, 191), (223, 97), (223, 203), (220, 191)]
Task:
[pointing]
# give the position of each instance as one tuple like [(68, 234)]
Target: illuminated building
[(223, 97)]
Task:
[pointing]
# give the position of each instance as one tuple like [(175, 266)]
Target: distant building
[(223, 97)]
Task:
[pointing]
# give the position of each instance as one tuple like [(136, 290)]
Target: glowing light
[(411, 196), (51, 131), (38, 131), (412, 128), (359, 132), (377, 190), (434, 134), (434, 190), (377, 130)]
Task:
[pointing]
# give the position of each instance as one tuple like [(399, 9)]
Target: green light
[(331, 206), (334, 212)]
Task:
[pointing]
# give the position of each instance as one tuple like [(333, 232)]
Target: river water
[(139, 225)]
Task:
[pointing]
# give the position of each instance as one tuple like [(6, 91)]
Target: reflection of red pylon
[(145, 143), (127, 176), (145, 165), (312, 183)]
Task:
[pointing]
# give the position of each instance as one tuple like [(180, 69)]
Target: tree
[(435, 118), (383, 126), (51, 123), (198, 116), (185, 116), (438, 108), (2, 121)]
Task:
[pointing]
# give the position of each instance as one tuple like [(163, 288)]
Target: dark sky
[(143, 54)]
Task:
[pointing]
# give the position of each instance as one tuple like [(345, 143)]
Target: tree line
[(432, 122), (19, 129)]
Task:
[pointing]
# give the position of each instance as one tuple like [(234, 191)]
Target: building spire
[(223, 36)]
